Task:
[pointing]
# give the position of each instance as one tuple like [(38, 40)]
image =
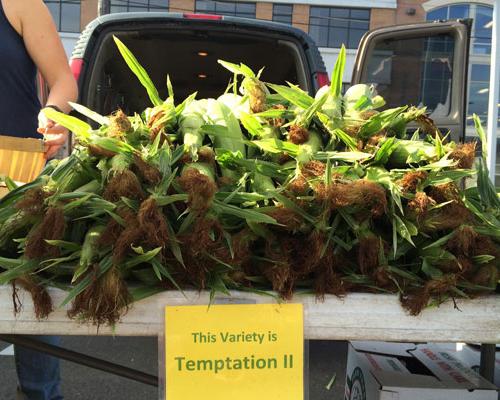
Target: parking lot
[(326, 360)]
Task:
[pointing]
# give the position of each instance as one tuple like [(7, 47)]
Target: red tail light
[(322, 79), (76, 65), (203, 16)]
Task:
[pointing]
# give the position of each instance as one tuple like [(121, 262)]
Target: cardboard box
[(386, 371), (21, 159), (471, 356)]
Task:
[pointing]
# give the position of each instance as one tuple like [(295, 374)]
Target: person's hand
[(55, 135)]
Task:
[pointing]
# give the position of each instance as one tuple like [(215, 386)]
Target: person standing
[(29, 42)]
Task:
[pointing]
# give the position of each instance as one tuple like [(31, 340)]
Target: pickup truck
[(412, 64)]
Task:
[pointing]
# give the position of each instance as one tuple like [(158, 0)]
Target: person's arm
[(45, 48)]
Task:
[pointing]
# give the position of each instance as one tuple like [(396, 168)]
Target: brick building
[(329, 22)]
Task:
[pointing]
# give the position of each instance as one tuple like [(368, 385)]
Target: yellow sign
[(234, 352)]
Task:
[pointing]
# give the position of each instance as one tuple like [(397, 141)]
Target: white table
[(358, 316)]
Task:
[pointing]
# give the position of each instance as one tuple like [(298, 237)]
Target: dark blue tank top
[(19, 104)]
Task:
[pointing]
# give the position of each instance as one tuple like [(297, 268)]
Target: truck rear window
[(190, 58), (417, 71)]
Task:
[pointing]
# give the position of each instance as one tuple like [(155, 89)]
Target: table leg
[(487, 367)]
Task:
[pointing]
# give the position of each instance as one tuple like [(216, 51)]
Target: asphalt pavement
[(326, 361)]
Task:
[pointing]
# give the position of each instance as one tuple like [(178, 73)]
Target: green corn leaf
[(382, 259), (290, 204), (349, 141), (379, 121), (14, 195), (348, 156), (9, 263), (11, 185), (430, 270), (117, 218), (76, 203), (276, 113), (337, 133), (488, 231), (483, 259), (240, 198), (444, 162), (438, 144), (236, 69), (27, 266), (403, 248), (350, 220), (362, 103), (180, 108), (219, 261), (139, 72), (70, 246), (104, 266), (243, 213), (248, 72), (165, 157), (216, 285), (384, 152), (328, 173), (295, 96), (216, 130), (161, 270), (405, 274), (163, 201), (220, 114), (345, 246), (114, 145), (71, 259), (440, 242), (482, 135), (437, 254), (145, 276), (155, 146), (228, 159), (490, 221), (472, 287), (251, 124), (94, 116), (167, 182), (277, 146), (259, 292), (306, 118), (132, 204), (142, 258), (486, 189), (170, 88), (442, 177), (405, 230), (383, 177), (79, 128), (338, 74), (141, 293), (238, 188), (174, 244)]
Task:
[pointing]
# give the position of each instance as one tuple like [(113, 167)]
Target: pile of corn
[(264, 189)]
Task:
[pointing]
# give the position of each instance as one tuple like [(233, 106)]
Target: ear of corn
[(191, 120)]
